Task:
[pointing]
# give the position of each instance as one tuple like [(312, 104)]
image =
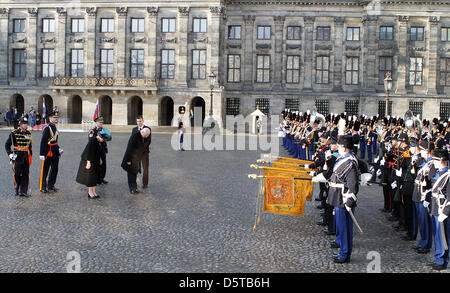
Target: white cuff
[(319, 178)]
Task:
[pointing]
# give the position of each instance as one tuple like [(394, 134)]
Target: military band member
[(20, 156), (50, 152)]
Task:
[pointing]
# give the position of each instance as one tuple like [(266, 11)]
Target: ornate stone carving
[(413, 50), (217, 10), (91, 11), (383, 46), (48, 40), (352, 48), (107, 40), (249, 19), (323, 47), (62, 11), (369, 18), (293, 47), (76, 40), (403, 18), (172, 40), (22, 40), (309, 19), (234, 46), (33, 11), (139, 40), (279, 19), (4, 12), (122, 11), (434, 19), (339, 19), (152, 10), (195, 40), (263, 46), (184, 10)]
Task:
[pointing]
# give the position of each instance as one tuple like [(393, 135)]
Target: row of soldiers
[(407, 157), (19, 147)]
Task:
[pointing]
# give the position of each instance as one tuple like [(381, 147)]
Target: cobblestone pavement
[(196, 216)]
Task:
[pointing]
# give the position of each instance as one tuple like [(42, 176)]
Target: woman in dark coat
[(133, 155), (89, 165)]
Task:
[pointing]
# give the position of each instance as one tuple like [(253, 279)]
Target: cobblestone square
[(196, 216)]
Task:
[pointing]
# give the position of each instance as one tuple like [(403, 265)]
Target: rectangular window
[(263, 105), (233, 106), (168, 25), (323, 33), (77, 25), (322, 69), (444, 110), (19, 25), (416, 108), (353, 34), (48, 25), (445, 34), (386, 33), (199, 25), (382, 108), (293, 69), (352, 107), (168, 64), (416, 34), (444, 71), (263, 68), (323, 106), (19, 66), (137, 63), (234, 68), (415, 70), (293, 33), (48, 63), (385, 66), (137, 25), (292, 104), (352, 70), (234, 32), (77, 63), (263, 32), (107, 63), (107, 25), (198, 64)]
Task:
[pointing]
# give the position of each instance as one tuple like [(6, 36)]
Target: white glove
[(42, 157), (328, 155), (382, 162), (441, 218), (379, 173), (365, 178), (425, 204), (414, 159), (376, 160), (319, 178), (12, 156), (61, 151), (312, 158), (306, 167), (398, 173), (394, 185), (311, 174)]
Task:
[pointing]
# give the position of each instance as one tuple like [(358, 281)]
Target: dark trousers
[(409, 213), (328, 217), (387, 193), (145, 162), (132, 178), (49, 164), (21, 177), (362, 149), (102, 168)]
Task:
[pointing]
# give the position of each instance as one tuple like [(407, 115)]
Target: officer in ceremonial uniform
[(440, 209), (49, 154), (97, 131), (343, 187), (21, 142)]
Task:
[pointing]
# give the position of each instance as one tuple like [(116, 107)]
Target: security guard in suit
[(20, 156), (49, 154), (98, 131), (147, 142)]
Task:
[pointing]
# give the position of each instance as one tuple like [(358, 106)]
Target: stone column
[(338, 51), (121, 45), (433, 55), (90, 45), (152, 38), (60, 66), (247, 69), (308, 52), (183, 54), (119, 108), (278, 58), (217, 12), (369, 68), (31, 58), (4, 61), (401, 79)]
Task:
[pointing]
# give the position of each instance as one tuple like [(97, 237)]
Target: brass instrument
[(412, 122)]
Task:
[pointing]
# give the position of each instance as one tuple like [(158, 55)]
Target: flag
[(44, 111), (96, 111)]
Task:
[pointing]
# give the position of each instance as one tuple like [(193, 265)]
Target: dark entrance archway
[(166, 111), (17, 102), (198, 102), (48, 106), (75, 109), (134, 106), (105, 109)]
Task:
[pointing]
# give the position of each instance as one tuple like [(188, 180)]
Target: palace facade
[(150, 57)]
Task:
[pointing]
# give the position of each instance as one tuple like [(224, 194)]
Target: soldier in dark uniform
[(147, 142), (97, 131), (20, 156), (49, 154)]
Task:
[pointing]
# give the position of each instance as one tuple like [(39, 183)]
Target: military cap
[(440, 155), (53, 114), (23, 120), (346, 141), (99, 119)]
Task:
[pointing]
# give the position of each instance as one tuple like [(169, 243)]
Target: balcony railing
[(100, 82)]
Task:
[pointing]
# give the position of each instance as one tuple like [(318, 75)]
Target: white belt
[(336, 185)]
